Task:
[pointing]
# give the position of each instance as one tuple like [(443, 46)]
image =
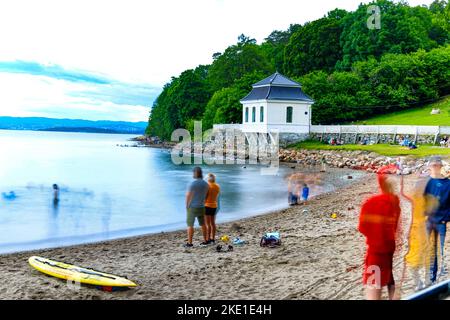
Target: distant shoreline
[(72, 125), (31, 130), (84, 130)]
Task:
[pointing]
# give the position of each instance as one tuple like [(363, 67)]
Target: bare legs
[(391, 291), (190, 233), (208, 227), (211, 228), (212, 235), (204, 232), (375, 294), (415, 274)]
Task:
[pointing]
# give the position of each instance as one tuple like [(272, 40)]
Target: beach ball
[(225, 238), (334, 216)]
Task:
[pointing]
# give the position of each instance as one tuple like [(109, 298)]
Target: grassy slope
[(382, 149), (416, 116)]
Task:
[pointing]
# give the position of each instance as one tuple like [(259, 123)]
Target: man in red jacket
[(378, 223)]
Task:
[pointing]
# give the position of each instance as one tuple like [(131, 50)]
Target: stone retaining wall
[(358, 160), (351, 138)]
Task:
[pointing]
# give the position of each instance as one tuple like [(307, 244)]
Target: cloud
[(121, 93), (33, 89), (142, 40), (52, 71), (139, 44)]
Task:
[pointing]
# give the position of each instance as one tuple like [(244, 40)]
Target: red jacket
[(378, 222)]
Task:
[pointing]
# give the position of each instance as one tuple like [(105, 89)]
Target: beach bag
[(270, 240)]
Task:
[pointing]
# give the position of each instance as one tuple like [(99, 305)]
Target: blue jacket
[(440, 189)]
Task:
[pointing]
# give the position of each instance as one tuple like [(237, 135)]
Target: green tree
[(372, 87), (338, 96), (237, 60), (190, 94), (182, 100), (441, 20), (225, 106), (161, 121), (404, 29), (315, 46), (274, 46)]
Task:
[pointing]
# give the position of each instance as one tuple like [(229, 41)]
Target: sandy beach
[(320, 258)]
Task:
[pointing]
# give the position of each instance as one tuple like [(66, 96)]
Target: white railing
[(382, 129), (360, 129), (235, 126)]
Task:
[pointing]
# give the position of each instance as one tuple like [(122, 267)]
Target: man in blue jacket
[(437, 195)]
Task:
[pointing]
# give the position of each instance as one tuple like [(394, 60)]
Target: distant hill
[(71, 125), (415, 116)]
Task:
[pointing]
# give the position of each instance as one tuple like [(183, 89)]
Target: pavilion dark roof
[(277, 87)]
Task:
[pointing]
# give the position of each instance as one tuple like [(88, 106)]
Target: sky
[(109, 59)]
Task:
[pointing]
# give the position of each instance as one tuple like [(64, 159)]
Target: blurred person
[(292, 190), (399, 165), (412, 145), (323, 164), (305, 193), (378, 222), (211, 208), (55, 193), (437, 208), (418, 255)]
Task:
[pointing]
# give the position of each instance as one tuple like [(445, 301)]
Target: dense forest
[(351, 71)]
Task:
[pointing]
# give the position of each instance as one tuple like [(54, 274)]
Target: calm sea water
[(108, 191)]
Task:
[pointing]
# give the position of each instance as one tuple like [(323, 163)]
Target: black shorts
[(210, 211)]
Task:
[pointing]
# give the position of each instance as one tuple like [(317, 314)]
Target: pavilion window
[(289, 114), (261, 114), (246, 114), (254, 114)]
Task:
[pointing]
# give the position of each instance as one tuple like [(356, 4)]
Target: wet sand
[(320, 258)]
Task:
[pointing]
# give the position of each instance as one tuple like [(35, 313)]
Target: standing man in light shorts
[(195, 206)]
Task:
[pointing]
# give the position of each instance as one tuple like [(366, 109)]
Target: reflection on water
[(106, 191)]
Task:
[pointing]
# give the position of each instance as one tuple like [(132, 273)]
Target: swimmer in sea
[(55, 193)]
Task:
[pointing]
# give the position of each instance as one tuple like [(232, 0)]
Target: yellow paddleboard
[(78, 274)]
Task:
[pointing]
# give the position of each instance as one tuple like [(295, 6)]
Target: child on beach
[(292, 191), (378, 222), (305, 193)]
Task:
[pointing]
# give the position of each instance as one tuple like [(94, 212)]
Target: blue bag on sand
[(237, 241), (271, 240)]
